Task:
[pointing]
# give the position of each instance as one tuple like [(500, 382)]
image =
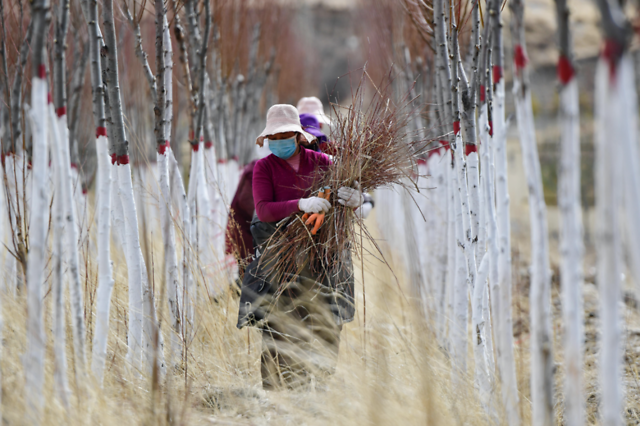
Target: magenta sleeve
[(263, 196)]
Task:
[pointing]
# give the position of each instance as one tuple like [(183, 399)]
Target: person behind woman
[(310, 124), (312, 105), (301, 326), (238, 239)]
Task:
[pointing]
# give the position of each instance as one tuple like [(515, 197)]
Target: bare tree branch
[(110, 49), (16, 91), (202, 56), (59, 75), (75, 91), (160, 90), (140, 53)]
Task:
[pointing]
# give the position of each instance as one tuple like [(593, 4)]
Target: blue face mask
[(283, 148)]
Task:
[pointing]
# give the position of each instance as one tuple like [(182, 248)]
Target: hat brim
[(323, 118), (316, 132), (285, 128)]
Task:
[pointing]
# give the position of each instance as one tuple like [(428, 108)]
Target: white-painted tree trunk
[(13, 168), (35, 353), (141, 308), (233, 178), (475, 288), (631, 171), (170, 250), (437, 196), (452, 247), (105, 275), (201, 217), (541, 348), (62, 160), (205, 225), (57, 290), (572, 251), (65, 251), (492, 254), (460, 288), (412, 261), (80, 205), (145, 191), (184, 295), (218, 210), (166, 210), (483, 135), (486, 221), (223, 202), (424, 223), (610, 129), (131, 243), (150, 326), (473, 178), (192, 196), (506, 358)]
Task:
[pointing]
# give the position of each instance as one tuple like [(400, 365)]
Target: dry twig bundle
[(375, 148)]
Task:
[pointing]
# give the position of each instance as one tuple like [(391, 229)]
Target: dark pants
[(300, 338)]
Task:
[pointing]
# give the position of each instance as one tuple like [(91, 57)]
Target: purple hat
[(311, 125)]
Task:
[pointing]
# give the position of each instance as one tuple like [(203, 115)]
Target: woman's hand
[(314, 205), (351, 197)]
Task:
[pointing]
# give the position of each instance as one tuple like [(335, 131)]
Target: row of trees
[(231, 59), (457, 240)]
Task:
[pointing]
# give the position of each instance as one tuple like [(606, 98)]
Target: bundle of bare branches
[(374, 148)]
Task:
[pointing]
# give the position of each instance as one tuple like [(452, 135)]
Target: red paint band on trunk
[(101, 131), (565, 70), (519, 57), (4, 156), (456, 127), (49, 98), (84, 191), (433, 152), (42, 71), (612, 52), (497, 74), (192, 135), (483, 93), (74, 166), (123, 159), (113, 158), (208, 145), (222, 161), (422, 161), (235, 158), (162, 148), (445, 145), (469, 148), (490, 128), (61, 111), (195, 147), (201, 138)]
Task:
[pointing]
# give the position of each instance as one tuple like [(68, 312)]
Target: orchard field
[(496, 278)]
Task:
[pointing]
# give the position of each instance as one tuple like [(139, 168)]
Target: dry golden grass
[(390, 372)]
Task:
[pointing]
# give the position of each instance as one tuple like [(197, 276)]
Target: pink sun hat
[(283, 118), (313, 105)]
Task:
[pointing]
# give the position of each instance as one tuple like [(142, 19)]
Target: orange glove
[(317, 218)]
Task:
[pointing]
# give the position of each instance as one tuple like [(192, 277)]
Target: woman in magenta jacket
[(301, 327)]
